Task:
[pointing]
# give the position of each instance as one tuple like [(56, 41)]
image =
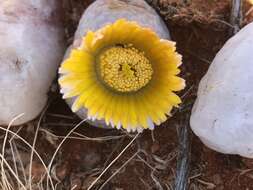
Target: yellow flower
[(123, 74)]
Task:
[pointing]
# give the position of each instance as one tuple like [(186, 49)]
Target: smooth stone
[(31, 50), (222, 116)]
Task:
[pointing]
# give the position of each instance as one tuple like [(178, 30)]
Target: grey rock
[(223, 113)]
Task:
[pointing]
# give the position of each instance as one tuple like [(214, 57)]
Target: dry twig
[(236, 16), (181, 182)]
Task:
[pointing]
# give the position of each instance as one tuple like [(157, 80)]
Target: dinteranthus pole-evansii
[(31, 50), (121, 70), (223, 113)]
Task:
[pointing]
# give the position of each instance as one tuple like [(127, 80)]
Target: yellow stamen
[(124, 68)]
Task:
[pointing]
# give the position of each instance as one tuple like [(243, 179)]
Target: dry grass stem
[(95, 181)]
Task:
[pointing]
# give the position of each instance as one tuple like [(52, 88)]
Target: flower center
[(124, 68)]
